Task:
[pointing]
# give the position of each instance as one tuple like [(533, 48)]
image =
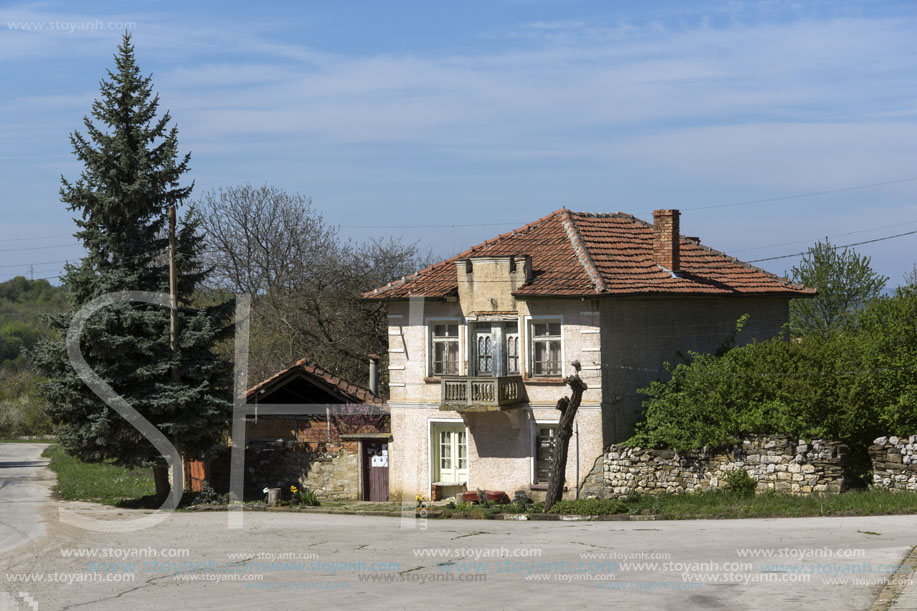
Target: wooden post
[(567, 407)]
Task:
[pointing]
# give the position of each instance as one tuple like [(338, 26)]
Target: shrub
[(740, 482), (852, 387)]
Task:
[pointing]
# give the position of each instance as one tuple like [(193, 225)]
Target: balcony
[(482, 393)]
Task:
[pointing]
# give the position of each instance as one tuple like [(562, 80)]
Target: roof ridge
[(463, 254), (582, 251)]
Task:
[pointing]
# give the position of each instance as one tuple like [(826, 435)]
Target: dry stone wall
[(776, 463), (331, 470), (894, 463)]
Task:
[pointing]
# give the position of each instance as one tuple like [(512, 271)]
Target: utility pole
[(173, 333), (173, 295)]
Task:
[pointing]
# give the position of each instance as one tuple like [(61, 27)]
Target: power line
[(797, 254), (740, 203), (39, 247), (836, 235), (30, 264), (801, 195), (41, 237)]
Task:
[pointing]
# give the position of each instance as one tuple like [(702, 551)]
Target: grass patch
[(726, 505), (590, 507), (717, 505), (98, 482)]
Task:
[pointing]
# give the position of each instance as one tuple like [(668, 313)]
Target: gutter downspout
[(576, 428)]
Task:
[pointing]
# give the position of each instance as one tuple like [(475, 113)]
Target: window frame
[(430, 344), (434, 426), (530, 322)]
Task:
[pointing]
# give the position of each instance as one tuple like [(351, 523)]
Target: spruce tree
[(131, 176)]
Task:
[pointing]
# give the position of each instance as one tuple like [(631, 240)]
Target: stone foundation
[(894, 463), (331, 470), (776, 463)]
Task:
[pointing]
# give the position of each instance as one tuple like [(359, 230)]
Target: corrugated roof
[(580, 254)]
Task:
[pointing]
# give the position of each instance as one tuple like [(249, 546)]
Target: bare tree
[(567, 408), (304, 278)]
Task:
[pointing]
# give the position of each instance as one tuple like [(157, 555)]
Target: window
[(544, 446), (483, 349), (450, 459), (445, 349), (512, 348), (546, 348)]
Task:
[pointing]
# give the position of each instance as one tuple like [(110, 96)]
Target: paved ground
[(24, 488), (193, 560)]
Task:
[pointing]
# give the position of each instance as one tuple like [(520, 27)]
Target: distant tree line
[(23, 306)]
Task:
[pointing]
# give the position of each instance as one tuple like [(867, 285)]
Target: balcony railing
[(482, 393)]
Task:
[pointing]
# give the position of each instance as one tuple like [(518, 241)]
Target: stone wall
[(894, 463), (331, 470), (776, 463)]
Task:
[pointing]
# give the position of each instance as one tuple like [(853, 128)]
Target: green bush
[(589, 507), (740, 482), (850, 386)]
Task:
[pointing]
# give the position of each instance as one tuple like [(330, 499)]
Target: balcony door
[(484, 349), (496, 348)]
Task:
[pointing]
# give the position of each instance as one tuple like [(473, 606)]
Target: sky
[(770, 125)]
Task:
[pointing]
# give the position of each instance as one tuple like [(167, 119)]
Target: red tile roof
[(580, 254), (356, 394)]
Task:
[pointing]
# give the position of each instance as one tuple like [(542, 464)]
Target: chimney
[(665, 239), (374, 374)]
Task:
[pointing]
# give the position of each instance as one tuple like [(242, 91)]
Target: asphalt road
[(194, 560), (25, 487)]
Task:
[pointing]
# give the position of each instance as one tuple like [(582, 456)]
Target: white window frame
[(429, 324), (432, 424), (535, 425), (530, 344)]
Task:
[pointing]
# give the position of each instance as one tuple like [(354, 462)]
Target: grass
[(722, 505), (40, 440), (726, 505), (98, 482)]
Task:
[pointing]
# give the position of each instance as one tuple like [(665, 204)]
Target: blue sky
[(477, 117)]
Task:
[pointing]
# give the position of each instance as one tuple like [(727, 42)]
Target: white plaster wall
[(500, 448), (500, 444)]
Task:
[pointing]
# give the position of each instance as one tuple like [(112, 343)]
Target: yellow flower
[(293, 489)]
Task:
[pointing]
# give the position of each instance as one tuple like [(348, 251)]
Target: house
[(479, 344), (309, 427)]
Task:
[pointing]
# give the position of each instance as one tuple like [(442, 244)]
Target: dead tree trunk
[(161, 479), (567, 407)]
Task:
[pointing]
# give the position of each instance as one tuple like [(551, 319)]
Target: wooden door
[(375, 471)]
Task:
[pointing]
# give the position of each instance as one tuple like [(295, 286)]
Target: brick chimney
[(665, 239)]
